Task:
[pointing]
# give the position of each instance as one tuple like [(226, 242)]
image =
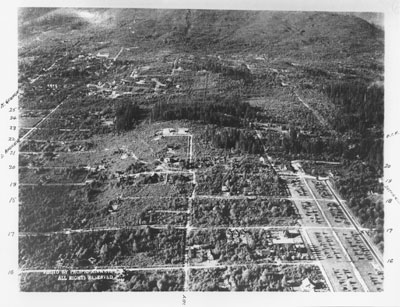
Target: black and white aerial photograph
[(192, 150)]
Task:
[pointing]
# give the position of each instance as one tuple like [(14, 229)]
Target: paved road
[(321, 267), (303, 176), (356, 272), (357, 226)]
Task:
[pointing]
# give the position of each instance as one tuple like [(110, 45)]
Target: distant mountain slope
[(298, 35), (376, 19), (28, 14), (256, 27)]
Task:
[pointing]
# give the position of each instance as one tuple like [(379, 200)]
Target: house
[(291, 234), (210, 256), (307, 285), (301, 248), (183, 130)]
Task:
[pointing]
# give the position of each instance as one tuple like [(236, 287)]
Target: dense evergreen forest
[(360, 105), (234, 138), (226, 111), (127, 114)]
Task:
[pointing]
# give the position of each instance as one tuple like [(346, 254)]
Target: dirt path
[(316, 114), (52, 184), (188, 227), (213, 265)]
